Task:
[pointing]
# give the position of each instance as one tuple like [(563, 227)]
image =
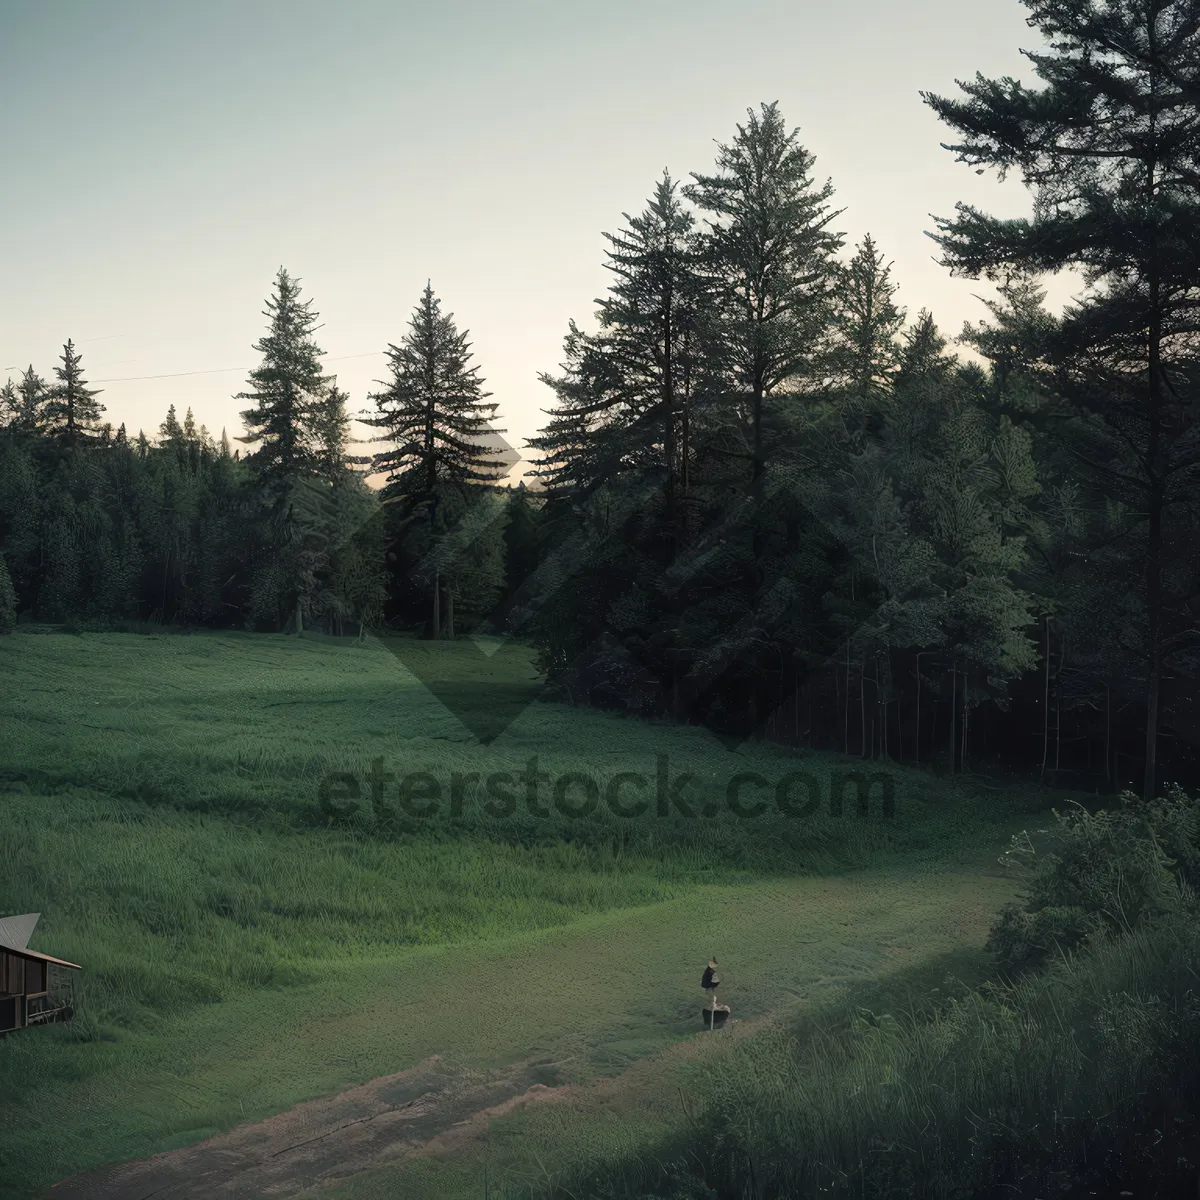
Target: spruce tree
[(433, 410), (769, 260), (865, 326), (32, 395), (170, 432), (573, 457), (331, 433), (71, 413), (288, 389), (285, 389), (646, 324), (1110, 145), (624, 399), (434, 414), (10, 405)]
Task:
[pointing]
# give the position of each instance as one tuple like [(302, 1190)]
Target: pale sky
[(163, 159)]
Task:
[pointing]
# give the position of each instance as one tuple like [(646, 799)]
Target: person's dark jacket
[(710, 979)]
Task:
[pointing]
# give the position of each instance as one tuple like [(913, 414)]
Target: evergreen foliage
[(768, 501)]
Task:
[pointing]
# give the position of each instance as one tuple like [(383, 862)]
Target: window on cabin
[(35, 977)]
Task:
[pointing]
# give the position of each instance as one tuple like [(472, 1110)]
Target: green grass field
[(245, 950)]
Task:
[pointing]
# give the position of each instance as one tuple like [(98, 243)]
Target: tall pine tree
[(434, 415), (70, 412), (288, 390), (865, 354), (768, 256), (1111, 146)]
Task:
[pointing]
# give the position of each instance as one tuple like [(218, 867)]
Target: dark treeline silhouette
[(802, 522), (766, 504)]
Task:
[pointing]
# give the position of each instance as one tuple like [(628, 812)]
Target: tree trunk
[(1154, 509), (1057, 721), (450, 613), (1108, 778), (953, 711), (1154, 672), (883, 707), (966, 724), (437, 603), (862, 705), (299, 617), (917, 751), (1046, 698), (846, 702)]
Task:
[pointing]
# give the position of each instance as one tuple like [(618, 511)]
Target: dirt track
[(319, 1141), (432, 1108)]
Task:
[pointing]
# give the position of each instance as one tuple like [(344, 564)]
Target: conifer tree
[(32, 394), (865, 323), (433, 410), (285, 387), (1111, 146), (331, 433), (646, 323), (170, 431), (287, 390), (434, 414), (768, 256), (71, 412), (10, 405), (572, 458), (625, 397)]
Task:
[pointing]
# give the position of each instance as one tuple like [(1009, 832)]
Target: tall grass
[(1044, 1080), (248, 727), (161, 809), (170, 909)]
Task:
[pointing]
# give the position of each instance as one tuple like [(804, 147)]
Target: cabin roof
[(21, 952), (14, 938), (15, 931)]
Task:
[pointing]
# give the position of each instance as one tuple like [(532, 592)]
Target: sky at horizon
[(164, 161)]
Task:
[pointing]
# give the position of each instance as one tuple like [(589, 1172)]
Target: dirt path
[(567, 1042)]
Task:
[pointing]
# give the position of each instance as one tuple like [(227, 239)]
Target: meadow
[(247, 945)]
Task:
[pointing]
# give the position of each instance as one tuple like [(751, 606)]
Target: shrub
[(1103, 873)]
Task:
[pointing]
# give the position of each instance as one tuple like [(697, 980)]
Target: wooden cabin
[(35, 988)]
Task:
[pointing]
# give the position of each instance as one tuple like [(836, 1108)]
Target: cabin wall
[(32, 992), (12, 974)]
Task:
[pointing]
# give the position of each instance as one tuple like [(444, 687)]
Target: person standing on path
[(709, 982)]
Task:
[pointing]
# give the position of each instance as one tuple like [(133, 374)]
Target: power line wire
[(218, 370)]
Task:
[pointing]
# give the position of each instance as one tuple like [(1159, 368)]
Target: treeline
[(767, 504), (184, 530)]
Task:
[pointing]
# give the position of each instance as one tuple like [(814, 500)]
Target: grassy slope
[(240, 958)]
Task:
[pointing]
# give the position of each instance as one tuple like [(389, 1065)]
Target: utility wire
[(220, 370)]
